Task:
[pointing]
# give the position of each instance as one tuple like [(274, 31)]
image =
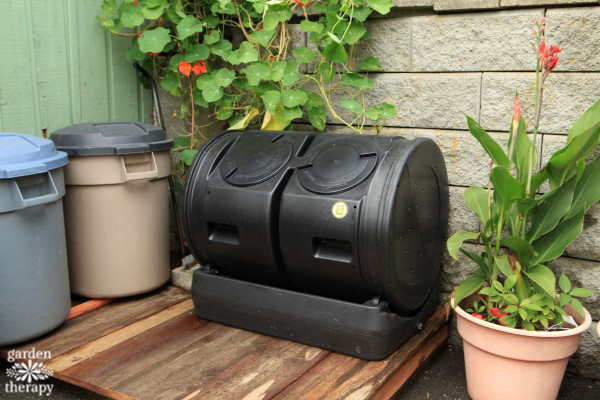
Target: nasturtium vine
[(234, 59)]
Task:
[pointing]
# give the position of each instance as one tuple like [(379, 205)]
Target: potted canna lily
[(517, 326)]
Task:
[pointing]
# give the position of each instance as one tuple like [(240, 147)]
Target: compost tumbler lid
[(338, 164), (108, 138), (256, 158), (22, 155)]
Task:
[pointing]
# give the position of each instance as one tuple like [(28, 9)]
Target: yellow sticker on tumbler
[(339, 210)]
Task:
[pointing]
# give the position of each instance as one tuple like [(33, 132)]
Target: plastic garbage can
[(34, 278), (116, 207)]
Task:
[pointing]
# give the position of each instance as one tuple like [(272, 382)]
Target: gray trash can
[(34, 278)]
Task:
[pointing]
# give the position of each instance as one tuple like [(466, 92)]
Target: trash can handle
[(22, 202), (134, 176)]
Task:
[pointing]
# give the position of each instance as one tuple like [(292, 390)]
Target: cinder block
[(575, 31), (487, 41), (566, 97), (462, 5)]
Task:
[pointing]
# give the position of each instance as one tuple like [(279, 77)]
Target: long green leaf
[(455, 241), (488, 144), (522, 248), (587, 191), (589, 118), (506, 188), (522, 152), (554, 243), (477, 259), (468, 287), (543, 277), (548, 213), (537, 179), (563, 163), (476, 200)]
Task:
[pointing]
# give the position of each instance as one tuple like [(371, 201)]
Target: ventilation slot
[(332, 249), (223, 233)]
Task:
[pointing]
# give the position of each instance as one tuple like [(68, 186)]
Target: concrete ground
[(442, 379)]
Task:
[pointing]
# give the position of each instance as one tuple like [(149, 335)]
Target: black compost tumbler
[(332, 240)]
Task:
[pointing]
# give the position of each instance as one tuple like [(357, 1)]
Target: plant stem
[(193, 119)]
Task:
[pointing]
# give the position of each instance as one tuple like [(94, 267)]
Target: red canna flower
[(199, 68), (477, 316), (185, 68), (302, 4), (135, 3), (548, 57)]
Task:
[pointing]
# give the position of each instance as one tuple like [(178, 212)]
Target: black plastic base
[(369, 331)]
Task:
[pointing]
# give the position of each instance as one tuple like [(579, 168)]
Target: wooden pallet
[(154, 347)]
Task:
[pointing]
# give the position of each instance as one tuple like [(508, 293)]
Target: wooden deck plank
[(91, 349), (86, 328), (187, 357), (342, 377)]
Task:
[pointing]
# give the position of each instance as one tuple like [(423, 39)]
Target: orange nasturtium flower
[(185, 68), (199, 68)]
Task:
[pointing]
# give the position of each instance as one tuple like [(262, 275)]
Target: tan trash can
[(116, 207)]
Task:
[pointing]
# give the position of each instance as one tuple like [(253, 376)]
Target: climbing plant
[(235, 60)]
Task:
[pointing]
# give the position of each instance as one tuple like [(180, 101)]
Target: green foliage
[(522, 230), (255, 83)]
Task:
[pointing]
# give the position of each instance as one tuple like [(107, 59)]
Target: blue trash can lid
[(22, 155), (110, 138)]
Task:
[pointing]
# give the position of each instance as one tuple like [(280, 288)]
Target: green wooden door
[(59, 67)]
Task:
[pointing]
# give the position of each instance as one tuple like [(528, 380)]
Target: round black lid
[(337, 164), (255, 158), (107, 138)]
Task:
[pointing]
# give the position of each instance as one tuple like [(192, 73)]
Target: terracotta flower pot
[(506, 363)]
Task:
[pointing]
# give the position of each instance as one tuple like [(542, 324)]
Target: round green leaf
[(202, 80), (351, 105), (197, 52), (292, 98), (131, 16), (246, 53), (154, 40), (223, 77), (381, 6), (388, 111), (212, 92), (309, 26), (354, 33), (256, 72), (187, 156), (356, 80), (212, 38), (304, 55), (170, 81), (290, 73), (188, 26), (270, 100), (335, 52), (370, 64)]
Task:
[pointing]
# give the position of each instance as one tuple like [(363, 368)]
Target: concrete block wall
[(446, 59)]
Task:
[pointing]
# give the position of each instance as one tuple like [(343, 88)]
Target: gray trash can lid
[(108, 138), (22, 155)]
